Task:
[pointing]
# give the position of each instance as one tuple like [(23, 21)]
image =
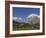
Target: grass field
[(25, 26)]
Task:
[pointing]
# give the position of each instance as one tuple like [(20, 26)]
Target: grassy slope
[(24, 26)]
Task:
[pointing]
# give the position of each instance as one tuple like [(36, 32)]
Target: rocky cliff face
[(33, 18)]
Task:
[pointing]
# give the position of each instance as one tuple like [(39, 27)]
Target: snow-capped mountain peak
[(32, 15)]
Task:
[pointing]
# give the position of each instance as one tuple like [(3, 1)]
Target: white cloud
[(20, 18), (17, 18)]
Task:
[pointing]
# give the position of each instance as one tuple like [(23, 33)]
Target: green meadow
[(25, 26)]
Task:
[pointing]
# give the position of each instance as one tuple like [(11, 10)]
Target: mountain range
[(30, 18)]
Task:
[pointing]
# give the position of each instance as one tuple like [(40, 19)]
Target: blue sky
[(24, 12)]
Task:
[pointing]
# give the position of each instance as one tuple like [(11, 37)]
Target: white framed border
[(25, 31)]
